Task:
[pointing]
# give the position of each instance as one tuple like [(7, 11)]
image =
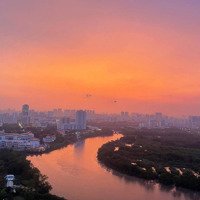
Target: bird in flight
[(88, 95)]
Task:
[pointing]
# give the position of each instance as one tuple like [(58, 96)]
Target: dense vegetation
[(170, 156), (11, 128), (32, 184)]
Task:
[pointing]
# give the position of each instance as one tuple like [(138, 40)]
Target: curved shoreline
[(108, 159), (81, 171)]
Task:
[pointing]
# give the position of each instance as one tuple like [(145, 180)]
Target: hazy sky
[(144, 53)]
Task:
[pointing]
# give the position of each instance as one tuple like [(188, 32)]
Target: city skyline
[(63, 109), (99, 99), (127, 55)]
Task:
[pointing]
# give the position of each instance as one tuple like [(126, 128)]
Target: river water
[(75, 173)]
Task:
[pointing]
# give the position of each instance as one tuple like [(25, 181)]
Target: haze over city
[(142, 54), (99, 99)]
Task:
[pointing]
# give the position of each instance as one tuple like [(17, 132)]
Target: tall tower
[(25, 114), (81, 120), (25, 110)]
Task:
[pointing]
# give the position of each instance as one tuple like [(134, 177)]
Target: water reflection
[(75, 173), (79, 148), (148, 185)]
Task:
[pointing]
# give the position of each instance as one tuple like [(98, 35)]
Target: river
[(75, 173)]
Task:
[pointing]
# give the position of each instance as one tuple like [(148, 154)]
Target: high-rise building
[(81, 120), (25, 115), (25, 110), (124, 116)]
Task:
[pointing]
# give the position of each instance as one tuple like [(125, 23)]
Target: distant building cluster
[(78, 124), (67, 120), (20, 121), (63, 119)]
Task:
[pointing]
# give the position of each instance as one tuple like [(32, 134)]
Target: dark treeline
[(12, 128), (32, 184), (171, 157)]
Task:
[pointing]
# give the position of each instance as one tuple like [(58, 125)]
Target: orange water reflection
[(75, 174)]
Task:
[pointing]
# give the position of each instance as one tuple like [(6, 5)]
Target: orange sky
[(53, 53)]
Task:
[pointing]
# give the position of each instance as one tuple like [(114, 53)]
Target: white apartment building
[(18, 141)]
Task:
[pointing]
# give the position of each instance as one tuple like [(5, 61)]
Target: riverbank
[(60, 142), (30, 184), (169, 158), (65, 166), (75, 168), (63, 141)]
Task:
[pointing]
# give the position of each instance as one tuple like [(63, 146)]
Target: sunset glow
[(143, 53)]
